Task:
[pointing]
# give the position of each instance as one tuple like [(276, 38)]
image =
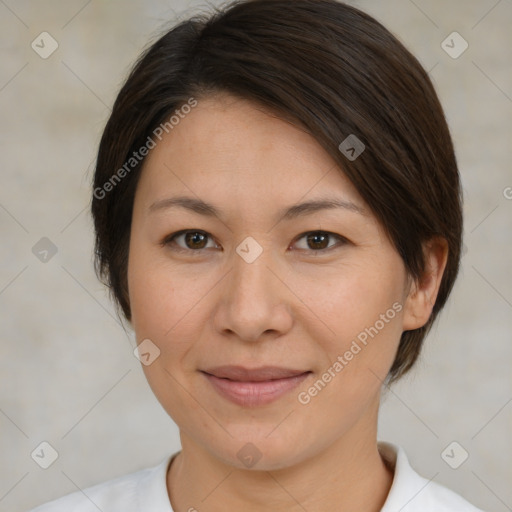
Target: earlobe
[(422, 294)]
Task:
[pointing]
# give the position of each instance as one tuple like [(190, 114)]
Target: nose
[(254, 302)]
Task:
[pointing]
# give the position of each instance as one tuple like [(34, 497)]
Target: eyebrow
[(297, 210)]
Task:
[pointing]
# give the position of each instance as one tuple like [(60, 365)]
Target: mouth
[(253, 387)]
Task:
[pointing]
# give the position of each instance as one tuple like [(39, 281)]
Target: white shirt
[(146, 491)]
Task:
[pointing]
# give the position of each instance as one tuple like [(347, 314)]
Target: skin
[(298, 305)]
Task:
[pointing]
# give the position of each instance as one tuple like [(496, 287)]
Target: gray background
[(68, 374)]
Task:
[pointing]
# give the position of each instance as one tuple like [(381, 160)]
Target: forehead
[(233, 150)]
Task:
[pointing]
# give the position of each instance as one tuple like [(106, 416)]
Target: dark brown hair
[(333, 70)]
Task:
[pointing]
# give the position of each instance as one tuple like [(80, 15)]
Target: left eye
[(196, 240), (319, 240)]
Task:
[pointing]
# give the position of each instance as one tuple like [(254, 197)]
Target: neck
[(348, 475)]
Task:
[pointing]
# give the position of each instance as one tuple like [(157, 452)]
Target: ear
[(422, 293)]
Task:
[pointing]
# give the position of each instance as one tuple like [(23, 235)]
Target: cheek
[(357, 325), (152, 290), (148, 297), (165, 304), (346, 300), (160, 300), (366, 317)]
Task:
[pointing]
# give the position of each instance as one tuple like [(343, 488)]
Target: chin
[(252, 448)]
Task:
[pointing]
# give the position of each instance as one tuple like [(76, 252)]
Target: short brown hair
[(333, 70)]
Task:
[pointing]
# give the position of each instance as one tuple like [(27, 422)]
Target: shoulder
[(117, 494), (410, 492), (121, 494), (441, 499)]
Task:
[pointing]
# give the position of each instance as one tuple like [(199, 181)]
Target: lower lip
[(251, 394)]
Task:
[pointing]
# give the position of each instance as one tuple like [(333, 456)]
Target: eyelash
[(169, 241)]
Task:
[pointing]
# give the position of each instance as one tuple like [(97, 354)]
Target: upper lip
[(262, 373)]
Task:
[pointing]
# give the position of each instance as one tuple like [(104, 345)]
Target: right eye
[(193, 240)]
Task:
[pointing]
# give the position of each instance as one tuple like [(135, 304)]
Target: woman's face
[(318, 291)]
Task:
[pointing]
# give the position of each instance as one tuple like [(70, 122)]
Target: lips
[(263, 373), (254, 387)]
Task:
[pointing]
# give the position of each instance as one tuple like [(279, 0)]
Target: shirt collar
[(152, 488), (407, 484)]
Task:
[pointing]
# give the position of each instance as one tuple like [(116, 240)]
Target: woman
[(277, 210)]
